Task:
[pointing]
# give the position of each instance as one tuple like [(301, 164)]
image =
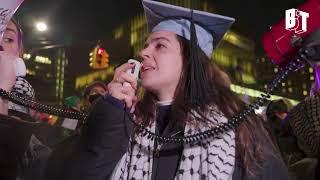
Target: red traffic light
[(100, 51), (99, 58)]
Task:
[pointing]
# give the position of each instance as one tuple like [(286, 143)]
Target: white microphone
[(20, 68), (134, 71)]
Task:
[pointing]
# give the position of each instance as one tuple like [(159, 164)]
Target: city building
[(46, 72)]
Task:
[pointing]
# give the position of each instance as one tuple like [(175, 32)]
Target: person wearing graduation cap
[(184, 95)]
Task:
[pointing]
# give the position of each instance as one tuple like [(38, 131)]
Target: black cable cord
[(233, 122), (18, 98)]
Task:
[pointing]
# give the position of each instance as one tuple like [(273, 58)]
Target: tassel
[(197, 82)]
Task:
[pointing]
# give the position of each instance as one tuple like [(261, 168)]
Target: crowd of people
[(142, 130)]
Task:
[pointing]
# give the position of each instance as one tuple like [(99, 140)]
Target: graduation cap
[(202, 29), (209, 27)]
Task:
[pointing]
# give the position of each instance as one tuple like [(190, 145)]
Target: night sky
[(75, 20)]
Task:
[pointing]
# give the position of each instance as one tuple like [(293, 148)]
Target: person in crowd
[(184, 95), (281, 132), (25, 156), (304, 117), (305, 124), (72, 103), (276, 112), (71, 126), (92, 92)]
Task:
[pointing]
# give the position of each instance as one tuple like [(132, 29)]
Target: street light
[(41, 26)]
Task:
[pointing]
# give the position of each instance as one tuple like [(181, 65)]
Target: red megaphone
[(281, 42)]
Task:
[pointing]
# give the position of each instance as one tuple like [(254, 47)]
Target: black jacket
[(105, 141), (14, 141)]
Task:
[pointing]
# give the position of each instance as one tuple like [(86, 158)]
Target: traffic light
[(99, 58)]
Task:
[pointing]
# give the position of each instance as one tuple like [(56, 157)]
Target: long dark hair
[(250, 135)]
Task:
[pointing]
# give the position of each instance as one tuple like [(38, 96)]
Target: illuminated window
[(205, 6), (26, 56), (31, 72), (118, 33), (310, 70), (48, 75), (189, 3), (290, 90), (84, 80), (134, 38), (42, 60), (239, 41), (275, 70), (305, 92), (248, 78), (311, 78)]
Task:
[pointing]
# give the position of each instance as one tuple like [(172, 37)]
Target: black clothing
[(284, 138), (163, 117), (161, 169), (60, 155), (304, 120), (14, 141), (106, 140), (305, 123)]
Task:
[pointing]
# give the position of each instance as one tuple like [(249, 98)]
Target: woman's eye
[(8, 40), (159, 45)]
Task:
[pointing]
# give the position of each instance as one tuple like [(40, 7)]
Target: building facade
[(46, 72)]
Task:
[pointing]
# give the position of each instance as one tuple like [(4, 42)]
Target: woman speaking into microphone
[(164, 133)]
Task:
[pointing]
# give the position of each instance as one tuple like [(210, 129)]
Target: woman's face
[(97, 90), (10, 41), (162, 62)]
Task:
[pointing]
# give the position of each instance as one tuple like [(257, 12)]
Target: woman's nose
[(143, 54)]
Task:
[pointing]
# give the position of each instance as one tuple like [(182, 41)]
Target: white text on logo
[(296, 20)]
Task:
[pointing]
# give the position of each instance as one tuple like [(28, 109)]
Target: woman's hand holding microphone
[(124, 84)]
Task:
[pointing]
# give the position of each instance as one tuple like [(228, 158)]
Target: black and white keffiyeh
[(23, 87), (213, 158)]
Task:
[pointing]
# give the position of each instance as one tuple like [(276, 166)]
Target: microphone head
[(21, 69)]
